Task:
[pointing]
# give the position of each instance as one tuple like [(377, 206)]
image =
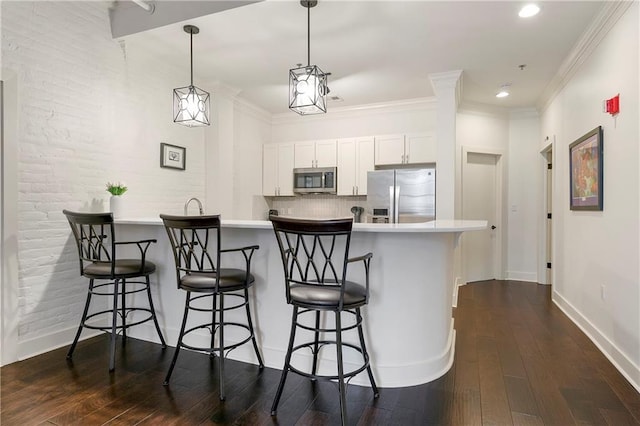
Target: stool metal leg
[(316, 337), (341, 385), (153, 313), (182, 327), (365, 354), (114, 325), (123, 312), (221, 345), (214, 308), (84, 317), (287, 362), (250, 324)]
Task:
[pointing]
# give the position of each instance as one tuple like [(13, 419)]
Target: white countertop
[(433, 226)]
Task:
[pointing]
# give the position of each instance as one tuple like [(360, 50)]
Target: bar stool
[(315, 256), (197, 250), (96, 241)]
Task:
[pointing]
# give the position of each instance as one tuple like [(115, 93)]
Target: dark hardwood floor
[(518, 361)]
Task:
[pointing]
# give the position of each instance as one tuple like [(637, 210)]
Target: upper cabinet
[(420, 148), (355, 159), (389, 149), (277, 169), (315, 154), (405, 149)]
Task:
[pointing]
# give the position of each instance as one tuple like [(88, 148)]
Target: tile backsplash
[(316, 206)]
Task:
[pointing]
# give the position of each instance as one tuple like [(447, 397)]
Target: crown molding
[(358, 110), (448, 80), (517, 113), (251, 109), (606, 19), (487, 110)]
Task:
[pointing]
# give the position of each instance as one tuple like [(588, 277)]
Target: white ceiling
[(378, 51)]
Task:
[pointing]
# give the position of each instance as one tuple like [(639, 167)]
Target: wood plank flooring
[(518, 361)]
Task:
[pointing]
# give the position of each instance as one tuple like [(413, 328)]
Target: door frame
[(500, 240), (544, 245)]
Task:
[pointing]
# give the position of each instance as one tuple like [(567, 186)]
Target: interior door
[(479, 196)]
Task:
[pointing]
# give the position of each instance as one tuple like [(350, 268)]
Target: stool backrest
[(195, 241), (314, 252), (95, 237)]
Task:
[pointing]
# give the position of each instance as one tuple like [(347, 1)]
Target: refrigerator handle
[(391, 204), (396, 198)]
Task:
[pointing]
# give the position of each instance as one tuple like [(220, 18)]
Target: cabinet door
[(421, 148), (269, 169), (347, 165), (389, 149), (305, 154), (285, 168), (326, 153), (365, 163)]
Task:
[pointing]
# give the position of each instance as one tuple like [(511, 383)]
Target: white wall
[(411, 116), (524, 196), (89, 111), (252, 130), (516, 134), (600, 250)]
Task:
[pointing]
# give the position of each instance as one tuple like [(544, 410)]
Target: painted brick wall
[(90, 110)]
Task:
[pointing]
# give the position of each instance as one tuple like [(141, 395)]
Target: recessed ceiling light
[(504, 91), (529, 10)]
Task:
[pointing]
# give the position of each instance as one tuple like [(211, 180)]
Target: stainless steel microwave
[(317, 180)]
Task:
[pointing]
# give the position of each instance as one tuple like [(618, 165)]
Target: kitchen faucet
[(186, 205)]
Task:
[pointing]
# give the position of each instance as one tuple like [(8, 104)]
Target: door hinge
[(548, 215), (549, 166), (548, 265)]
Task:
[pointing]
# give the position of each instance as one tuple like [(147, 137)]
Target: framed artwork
[(172, 156), (585, 165)]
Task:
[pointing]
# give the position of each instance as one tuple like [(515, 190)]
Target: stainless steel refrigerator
[(401, 195)]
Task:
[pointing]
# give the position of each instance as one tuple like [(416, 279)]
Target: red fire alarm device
[(612, 106)]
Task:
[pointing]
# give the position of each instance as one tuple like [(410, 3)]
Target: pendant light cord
[(191, 55), (308, 36)]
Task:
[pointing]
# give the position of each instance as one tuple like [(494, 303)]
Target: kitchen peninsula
[(408, 320)]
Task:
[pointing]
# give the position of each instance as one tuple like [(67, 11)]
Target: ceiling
[(377, 51)]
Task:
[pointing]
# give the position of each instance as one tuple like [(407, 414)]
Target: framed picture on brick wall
[(173, 156)]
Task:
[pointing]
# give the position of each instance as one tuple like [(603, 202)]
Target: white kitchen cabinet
[(405, 149), (389, 149), (420, 148), (315, 154), (277, 169), (355, 159)]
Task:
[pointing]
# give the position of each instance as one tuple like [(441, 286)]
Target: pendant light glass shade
[(308, 90), (308, 85), (190, 103), (191, 106)]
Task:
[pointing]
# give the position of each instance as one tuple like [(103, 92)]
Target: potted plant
[(115, 202)]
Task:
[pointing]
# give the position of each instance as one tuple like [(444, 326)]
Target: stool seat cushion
[(327, 296), (125, 268), (230, 280)]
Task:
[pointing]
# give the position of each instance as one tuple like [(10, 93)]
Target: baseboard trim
[(619, 359), (522, 276), (38, 345), (389, 375), (456, 286)]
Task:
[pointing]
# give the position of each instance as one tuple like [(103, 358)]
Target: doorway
[(482, 200)]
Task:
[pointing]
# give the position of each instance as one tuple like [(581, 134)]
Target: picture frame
[(586, 174), (173, 156)]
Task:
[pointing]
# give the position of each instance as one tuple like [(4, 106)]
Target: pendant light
[(308, 85), (191, 104)]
